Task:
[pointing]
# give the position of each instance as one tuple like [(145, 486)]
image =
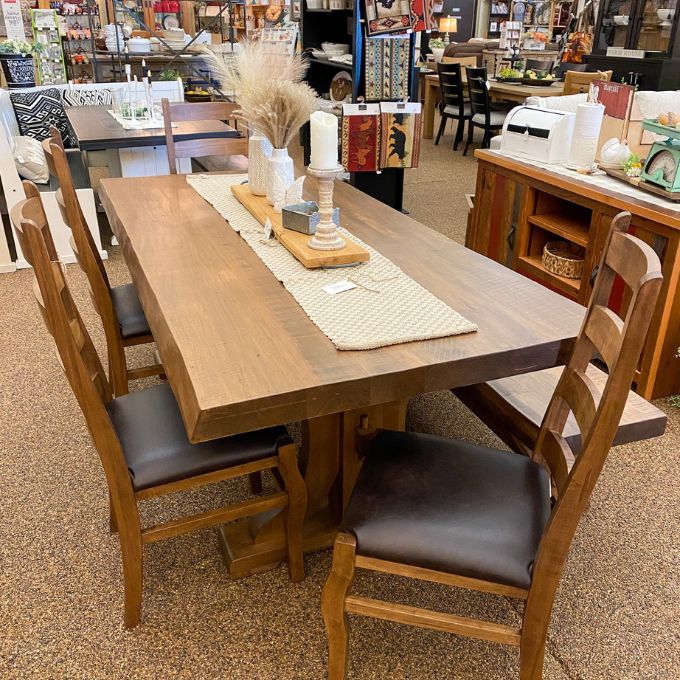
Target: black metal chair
[(453, 101), (539, 65), (483, 116)]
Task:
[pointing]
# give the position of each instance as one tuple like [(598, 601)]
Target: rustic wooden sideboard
[(519, 206)]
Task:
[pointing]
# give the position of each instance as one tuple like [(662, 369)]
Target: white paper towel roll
[(586, 133)]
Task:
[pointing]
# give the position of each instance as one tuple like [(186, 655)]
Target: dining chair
[(454, 105), (175, 112), (468, 516), (80, 177), (123, 319), (483, 116), (577, 82), (141, 440), (539, 65)]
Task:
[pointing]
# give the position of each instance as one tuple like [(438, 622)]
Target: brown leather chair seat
[(129, 311), (451, 506), (151, 432)]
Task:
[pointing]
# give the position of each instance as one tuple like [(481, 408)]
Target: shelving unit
[(80, 52), (51, 69), (345, 26)]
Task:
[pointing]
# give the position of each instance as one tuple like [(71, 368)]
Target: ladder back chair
[(141, 440), (201, 146), (577, 82), (454, 105), (482, 114), (119, 308), (455, 513), (539, 65)]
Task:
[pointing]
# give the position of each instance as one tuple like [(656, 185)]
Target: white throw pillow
[(29, 158)]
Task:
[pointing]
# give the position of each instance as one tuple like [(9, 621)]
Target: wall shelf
[(571, 228)]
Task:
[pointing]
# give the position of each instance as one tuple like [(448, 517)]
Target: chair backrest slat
[(175, 112)]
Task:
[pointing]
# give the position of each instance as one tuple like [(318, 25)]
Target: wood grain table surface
[(241, 354), (96, 129)]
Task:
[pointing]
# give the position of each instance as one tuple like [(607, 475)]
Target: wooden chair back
[(451, 84), (618, 342), (478, 92), (202, 111), (54, 138), (75, 350), (34, 211), (577, 82), (463, 61), (88, 258)]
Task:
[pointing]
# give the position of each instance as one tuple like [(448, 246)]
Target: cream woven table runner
[(386, 307)]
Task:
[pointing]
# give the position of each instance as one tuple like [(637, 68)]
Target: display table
[(134, 153), (512, 92), (240, 353), (519, 206)]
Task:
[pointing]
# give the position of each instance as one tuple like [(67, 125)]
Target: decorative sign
[(621, 52), (14, 23)]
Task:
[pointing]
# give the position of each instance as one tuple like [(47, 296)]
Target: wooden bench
[(514, 408)]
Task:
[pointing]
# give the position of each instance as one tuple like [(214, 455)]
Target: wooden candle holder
[(326, 236)]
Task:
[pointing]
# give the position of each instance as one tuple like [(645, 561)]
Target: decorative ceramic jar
[(259, 153), (280, 174)]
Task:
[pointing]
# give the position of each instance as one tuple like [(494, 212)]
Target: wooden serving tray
[(295, 242), (641, 184)]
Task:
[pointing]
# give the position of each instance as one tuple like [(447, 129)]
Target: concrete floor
[(616, 613)]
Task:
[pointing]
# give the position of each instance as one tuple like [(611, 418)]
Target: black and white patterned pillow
[(102, 97), (37, 110)]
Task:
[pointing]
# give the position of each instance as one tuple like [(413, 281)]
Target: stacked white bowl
[(174, 38), (114, 38)]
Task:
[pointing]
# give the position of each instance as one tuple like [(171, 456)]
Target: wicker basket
[(564, 259)]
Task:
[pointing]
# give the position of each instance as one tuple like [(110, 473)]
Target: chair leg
[(118, 373), (113, 523), (297, 507), (486, 140), (535, 622), (131, 548), (460, 128), (471, 132), (333, 604), (442, 127)]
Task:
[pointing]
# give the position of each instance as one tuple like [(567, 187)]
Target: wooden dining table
[(241, 354), (512, 92)]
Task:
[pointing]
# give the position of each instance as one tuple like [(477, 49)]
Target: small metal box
[(304, 217)]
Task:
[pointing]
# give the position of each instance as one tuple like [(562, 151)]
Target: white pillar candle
[(324, 143)]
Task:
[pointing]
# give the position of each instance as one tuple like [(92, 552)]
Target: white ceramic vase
[(280, 175), (259, 153)]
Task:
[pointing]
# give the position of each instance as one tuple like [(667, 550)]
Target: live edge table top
[(239, 352), (96, 129)]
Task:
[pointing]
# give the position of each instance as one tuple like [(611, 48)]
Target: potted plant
[(437, 47), (16, 57)]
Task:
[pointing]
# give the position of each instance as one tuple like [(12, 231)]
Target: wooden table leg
[(330, 465), (431, 90)]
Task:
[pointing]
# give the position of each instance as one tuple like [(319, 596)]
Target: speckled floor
[(616, 613)]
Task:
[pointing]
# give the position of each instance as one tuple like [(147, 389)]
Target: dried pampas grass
[(273, 101)]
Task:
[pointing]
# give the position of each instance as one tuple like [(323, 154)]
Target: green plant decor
[(169, 74), (20, 47), (437, 43), (633, 165)]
